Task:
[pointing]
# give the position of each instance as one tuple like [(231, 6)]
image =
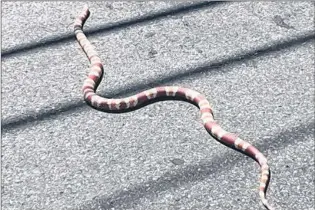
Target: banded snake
[(172, 92)]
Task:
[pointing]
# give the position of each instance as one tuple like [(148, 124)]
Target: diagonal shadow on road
[(194, 173), (78, 105), (61, 39)]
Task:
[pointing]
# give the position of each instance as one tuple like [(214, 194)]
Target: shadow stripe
[(193, 173), (61, 39), (211, 66)]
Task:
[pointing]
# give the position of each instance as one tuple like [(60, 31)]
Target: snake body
[(124, 104)]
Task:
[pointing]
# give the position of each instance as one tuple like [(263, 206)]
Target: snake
[(160, 93)]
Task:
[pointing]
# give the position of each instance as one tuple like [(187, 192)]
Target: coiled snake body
[(124, 104)]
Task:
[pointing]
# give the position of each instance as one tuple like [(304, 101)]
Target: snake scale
[(172, 92)]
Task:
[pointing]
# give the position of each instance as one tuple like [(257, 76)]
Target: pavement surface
[(253, 61)]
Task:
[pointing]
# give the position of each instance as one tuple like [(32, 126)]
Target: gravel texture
[(254, 61)]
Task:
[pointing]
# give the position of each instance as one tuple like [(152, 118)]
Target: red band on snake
[(124, 104)]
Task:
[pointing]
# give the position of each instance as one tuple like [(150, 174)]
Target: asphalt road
[(253, 61)]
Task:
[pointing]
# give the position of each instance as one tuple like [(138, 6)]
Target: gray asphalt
[(253, 61)]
